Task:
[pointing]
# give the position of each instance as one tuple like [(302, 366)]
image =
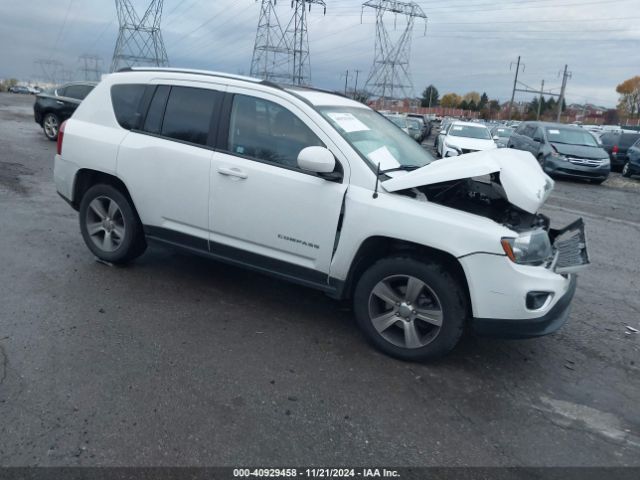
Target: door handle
[(59, 102), (232, 172)]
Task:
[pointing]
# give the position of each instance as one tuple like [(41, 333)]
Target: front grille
[(570, 244), (585, 162)]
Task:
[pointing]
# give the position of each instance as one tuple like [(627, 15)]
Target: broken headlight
[(529, 248)]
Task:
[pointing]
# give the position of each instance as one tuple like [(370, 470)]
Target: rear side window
[(79, 92), (126, 103), (189, 115), (628, 139)]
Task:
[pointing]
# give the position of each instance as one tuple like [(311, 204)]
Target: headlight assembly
[(529, 248)]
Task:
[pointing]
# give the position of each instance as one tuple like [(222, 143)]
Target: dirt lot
[(176, 360)]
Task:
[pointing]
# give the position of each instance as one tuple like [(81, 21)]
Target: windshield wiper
[(406, 168)]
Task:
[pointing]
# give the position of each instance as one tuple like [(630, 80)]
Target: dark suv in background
[(617, 145), (54, 106), (563, 150)]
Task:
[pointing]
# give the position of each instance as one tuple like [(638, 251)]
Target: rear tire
[(110, 226), (410, 309), (626, 170), (51, 126)]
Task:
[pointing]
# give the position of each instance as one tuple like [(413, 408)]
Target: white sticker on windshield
[(554, 132), (457, 128), (348, 122), (383, 157)]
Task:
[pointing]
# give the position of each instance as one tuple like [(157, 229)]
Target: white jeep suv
[(318, 189)]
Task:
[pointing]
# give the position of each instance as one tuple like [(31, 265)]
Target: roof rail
[(209, 73)]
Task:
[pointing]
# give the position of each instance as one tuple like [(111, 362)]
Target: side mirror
[(317, 160), (496, 137)]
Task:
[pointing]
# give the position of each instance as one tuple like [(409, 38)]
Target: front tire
[(110, 226), (626, 170), (51, 125), (410, 309)]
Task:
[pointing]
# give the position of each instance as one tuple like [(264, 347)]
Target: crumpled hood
[(525, 184)]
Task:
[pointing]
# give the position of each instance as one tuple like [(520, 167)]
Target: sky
[(470, 45)]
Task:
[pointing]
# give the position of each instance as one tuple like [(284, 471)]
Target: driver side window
[(268, 132)]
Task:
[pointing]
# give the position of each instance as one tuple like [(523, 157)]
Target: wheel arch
[(377, 247), (86, 178)]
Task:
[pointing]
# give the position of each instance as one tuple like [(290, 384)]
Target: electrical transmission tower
[(390, 77), (297, 33), (283, 54), (270, 52), (91, 67), (139, 39), (50, 71)]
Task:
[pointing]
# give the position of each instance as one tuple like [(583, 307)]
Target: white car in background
[(464, 137)]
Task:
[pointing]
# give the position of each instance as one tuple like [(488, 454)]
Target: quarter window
[(153, 121), (189, 115), (126, 103), (266, 131)]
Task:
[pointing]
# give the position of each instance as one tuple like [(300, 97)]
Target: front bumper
[(529, 328), (557, 167)]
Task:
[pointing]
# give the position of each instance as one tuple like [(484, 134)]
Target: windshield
[(375, 139), (470, 131), (571, 136), (503, 132)]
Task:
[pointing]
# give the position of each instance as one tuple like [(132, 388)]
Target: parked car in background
[(563, 150), (632, 165), (399, 121), (320, 190), (416, 129), (411, 126), (20, 89), (616, 144), (54, 107), (501, 135), (426, 124), (464, 137)]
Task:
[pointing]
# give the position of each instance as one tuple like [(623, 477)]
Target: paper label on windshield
[(457, 128), (348, 122), (383, 157), (554, 132)]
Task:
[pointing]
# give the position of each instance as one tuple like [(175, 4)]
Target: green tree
[(484, 100), (463, 105), (430, 97)]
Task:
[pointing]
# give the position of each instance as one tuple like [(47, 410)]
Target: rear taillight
[(61, 137), (615, 149)]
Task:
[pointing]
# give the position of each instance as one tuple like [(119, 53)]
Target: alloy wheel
[(51, 126), (105, 224), (405, 311)]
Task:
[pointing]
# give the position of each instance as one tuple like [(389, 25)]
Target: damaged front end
[(507, 187)]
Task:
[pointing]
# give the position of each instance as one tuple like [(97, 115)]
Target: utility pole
[(540, 101), (565, 76), (346, 82), (515, 83)]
